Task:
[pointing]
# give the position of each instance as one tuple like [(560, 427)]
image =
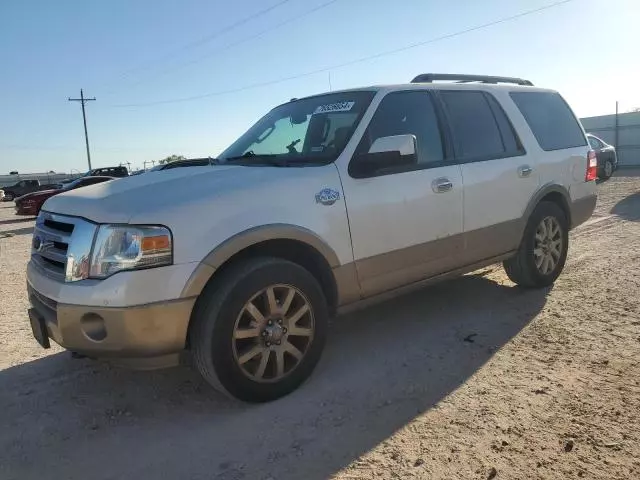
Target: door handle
[(441, 185), (524, 171)]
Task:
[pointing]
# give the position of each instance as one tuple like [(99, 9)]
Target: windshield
[(312, 130)]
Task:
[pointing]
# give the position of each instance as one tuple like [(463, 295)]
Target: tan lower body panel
[(145, 331), (419, 262), (407, 288)]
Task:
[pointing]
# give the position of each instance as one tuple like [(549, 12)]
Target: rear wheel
[(543, 249), (607, 170), (259, 330)]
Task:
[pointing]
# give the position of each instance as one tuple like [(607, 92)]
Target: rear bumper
[(582, 209), (127, 333)]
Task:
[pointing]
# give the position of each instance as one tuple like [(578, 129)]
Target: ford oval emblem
[(327, 196)]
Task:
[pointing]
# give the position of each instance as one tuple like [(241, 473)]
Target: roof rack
[(431, 77)]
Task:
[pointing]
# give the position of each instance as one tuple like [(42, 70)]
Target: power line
[(350, 62), (243, 40), (205, 39), (228, 28), (82, 101)]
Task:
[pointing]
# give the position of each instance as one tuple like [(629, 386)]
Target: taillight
[(592, 167)]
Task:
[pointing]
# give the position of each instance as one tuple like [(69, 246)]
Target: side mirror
[(386, 152), (404, 144)]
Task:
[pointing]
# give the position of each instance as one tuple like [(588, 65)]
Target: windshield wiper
[(267, 159)]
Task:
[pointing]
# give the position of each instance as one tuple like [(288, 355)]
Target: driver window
[(282, 137), (22, 183), (409, 112), (339, 126)]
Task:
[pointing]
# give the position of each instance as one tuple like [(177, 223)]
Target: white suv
[(324, 202)]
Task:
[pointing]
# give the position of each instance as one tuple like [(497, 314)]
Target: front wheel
[(543, 249), (259, 329)]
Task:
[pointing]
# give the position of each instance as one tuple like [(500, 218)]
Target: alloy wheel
[(548, 245), (273, 332), (608, 169)]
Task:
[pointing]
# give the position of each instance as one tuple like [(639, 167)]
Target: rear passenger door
[(499, 176)]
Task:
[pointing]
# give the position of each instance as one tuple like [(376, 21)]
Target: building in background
[(45, 178), (624, 134)]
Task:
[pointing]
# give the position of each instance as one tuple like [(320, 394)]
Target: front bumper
[(143, 331)]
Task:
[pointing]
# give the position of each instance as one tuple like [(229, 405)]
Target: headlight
[(124, 247)]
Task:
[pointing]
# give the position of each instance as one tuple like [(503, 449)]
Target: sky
[(146, 60)]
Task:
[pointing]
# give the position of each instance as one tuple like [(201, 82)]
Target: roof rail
[(431, 77)]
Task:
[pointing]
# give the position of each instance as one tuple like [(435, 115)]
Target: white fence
[(623, 133)]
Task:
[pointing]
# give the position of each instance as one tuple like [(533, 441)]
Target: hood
[(140, 196), (38, 195)]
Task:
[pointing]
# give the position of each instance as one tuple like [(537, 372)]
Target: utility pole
[(83, 100)]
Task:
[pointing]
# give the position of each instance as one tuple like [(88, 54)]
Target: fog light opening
[(93, 327)]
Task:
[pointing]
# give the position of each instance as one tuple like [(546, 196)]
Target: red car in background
[(31, 203)]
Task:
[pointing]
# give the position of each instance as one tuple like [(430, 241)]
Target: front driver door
[(406, 222)]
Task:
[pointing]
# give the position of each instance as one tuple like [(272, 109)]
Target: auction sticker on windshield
[(335, 107)]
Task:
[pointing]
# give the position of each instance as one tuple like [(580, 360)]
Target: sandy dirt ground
[(473, 378)]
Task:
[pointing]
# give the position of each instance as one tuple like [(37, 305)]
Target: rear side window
[(112, 171), (551, 121), (594, 142), (510, 140), (481, 130)]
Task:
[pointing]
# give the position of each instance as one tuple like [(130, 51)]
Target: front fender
[(253, 236)]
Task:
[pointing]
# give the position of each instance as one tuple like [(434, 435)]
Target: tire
[(221, 314), (607, 170), (523, 268)]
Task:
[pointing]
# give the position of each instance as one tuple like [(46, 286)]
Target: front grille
[(60, 243), (54, 263), (51, 242), (61, 246), (60, 226)]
